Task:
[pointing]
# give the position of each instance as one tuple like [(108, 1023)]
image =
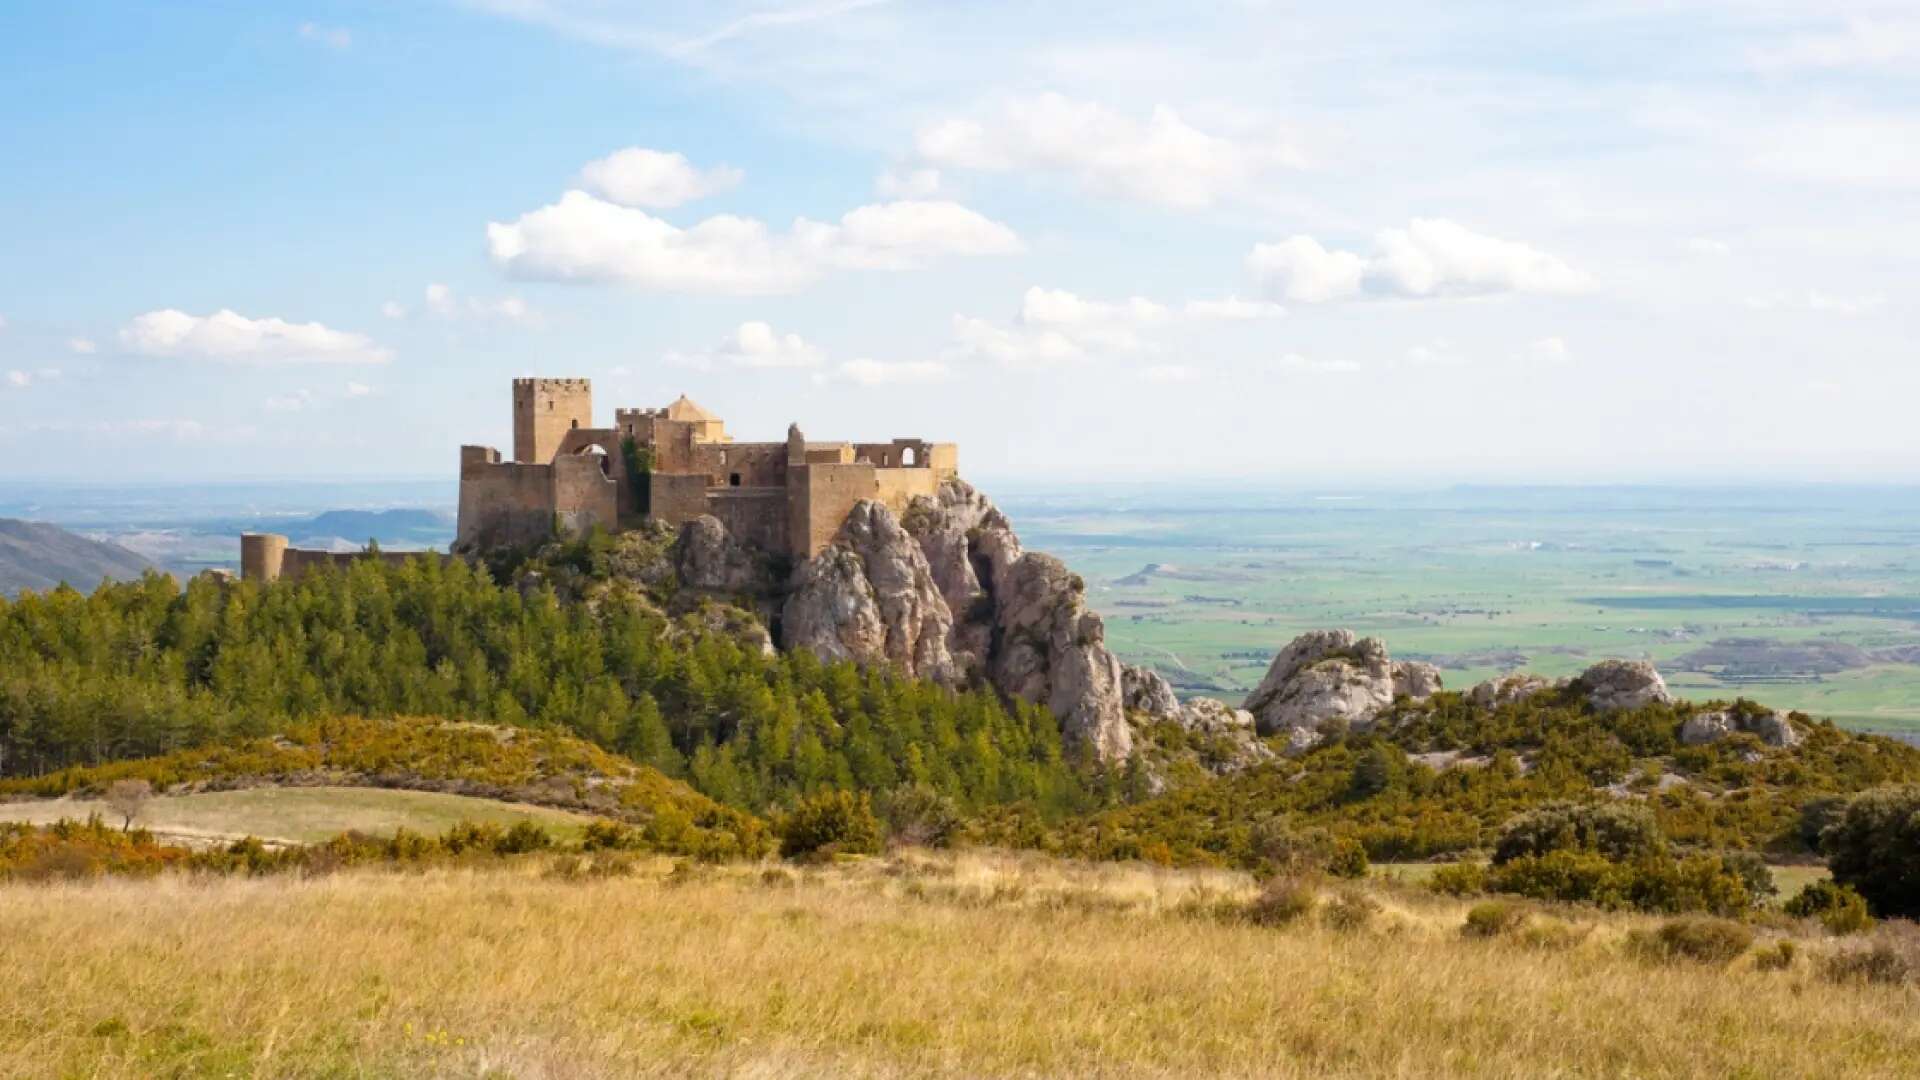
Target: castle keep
[(673, 465)]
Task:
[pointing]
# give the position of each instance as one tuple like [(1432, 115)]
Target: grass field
[(976, 965), (301, 815)]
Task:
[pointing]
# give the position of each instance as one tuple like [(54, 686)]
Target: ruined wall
[(266, 557), (944, 459), (544, 410), (678, 497), (828, 494), (742, 464), (603, 446), (897, 487), (584, 495), (755, 515), (502, 504)]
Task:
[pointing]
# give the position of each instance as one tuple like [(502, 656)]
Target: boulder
[(1144, 690), (1212, 717), (870, 597), (1509, 690), (1623, 684), (1707, 727), (1327, 680)]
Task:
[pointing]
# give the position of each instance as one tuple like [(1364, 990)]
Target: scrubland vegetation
[(975, 964)]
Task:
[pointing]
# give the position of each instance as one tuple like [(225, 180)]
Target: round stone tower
[(261, 555)]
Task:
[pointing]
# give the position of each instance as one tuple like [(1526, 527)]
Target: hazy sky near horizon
[(1590, 240)]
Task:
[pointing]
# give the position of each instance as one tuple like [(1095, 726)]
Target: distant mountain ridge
[(38, 556)]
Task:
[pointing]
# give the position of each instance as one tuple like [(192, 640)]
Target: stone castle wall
[(265, 557), (544, 410)]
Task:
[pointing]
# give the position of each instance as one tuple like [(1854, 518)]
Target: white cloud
[(1859, 44), (583, 238), (753, 345), (82, 346), (1233, 309), (333, 37), (1438, 353), (1168, 373), (443, 302), (1548, 350), (657, 179), (1703, 245), (1160, 159), (294, 402), (978, 339), (358, 389), (234, 338), (867, 372), (1849, 147), (1817, 302), (394, 309), (1431, 257), (898, 183), (1296, 362), (18, 378), (1058, 307)]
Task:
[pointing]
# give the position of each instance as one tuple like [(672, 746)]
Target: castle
[(673, 465)]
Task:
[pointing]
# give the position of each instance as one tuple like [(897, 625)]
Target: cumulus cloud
[(753, 345), (1296, 362), (1025, 348), (230, 337), (1058, 307), (898, 183), (657, 179), (584, 238), (1160, 159), (867, 372), (333, 37), (442, 301), (1431, 257)]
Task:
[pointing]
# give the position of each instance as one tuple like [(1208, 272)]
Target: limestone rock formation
[(1623, 684), (1772, 728), (1510, 689), (869, 597), (1211, 717), (1332, 680), (707, 558), (1146, 691), (1052, 650)]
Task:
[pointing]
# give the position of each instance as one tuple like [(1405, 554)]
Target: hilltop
[(35, 555)]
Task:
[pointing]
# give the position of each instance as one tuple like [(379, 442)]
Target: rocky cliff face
[(949, 595)]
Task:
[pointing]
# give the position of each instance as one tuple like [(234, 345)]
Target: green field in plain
[(1800, 598)]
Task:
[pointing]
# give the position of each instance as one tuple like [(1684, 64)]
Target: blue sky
[(1597, 240)]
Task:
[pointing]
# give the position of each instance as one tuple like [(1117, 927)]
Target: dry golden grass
[(975, 965)]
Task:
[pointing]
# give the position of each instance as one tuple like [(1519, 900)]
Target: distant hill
[(392, 528), (38, 556)]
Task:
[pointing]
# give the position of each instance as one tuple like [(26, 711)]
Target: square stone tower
[(544, 410)]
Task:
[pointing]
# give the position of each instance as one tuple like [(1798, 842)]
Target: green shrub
[(1889, 961), (1702, 940), (1282, 850), (1838, 907), (523, 837), (1494, 918), (830, 823), (1875, 848), (1459, 879), (1616, 831), (1283, 900), (1350, 910), (921, 815)]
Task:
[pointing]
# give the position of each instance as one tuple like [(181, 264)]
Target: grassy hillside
[(34, 555), (980, 965), (481, 761), (301, 815)]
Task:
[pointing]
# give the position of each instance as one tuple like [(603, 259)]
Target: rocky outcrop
[(869, 597), (1510, 690), (1145, 691), (1051, 649), (1770, 727), (1623, 684), (1329, 681), (946, 593), (1210, 717), (706, 557)]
